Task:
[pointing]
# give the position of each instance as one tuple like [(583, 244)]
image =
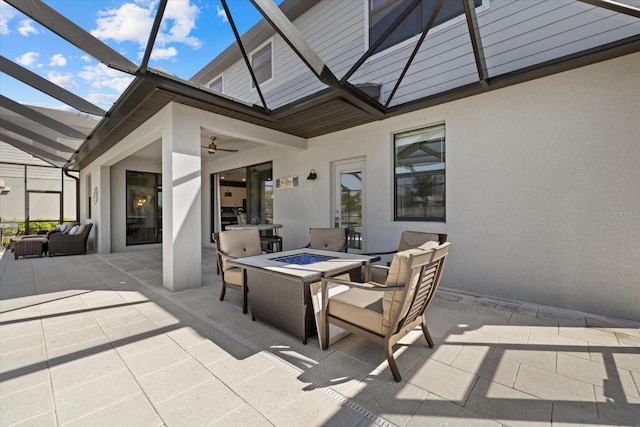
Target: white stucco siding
[(542, 188)]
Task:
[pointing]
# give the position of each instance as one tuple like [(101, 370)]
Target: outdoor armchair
[(413, 239), (70, 244), (234, 244), (408, 240), (386, 313), (328, 239)]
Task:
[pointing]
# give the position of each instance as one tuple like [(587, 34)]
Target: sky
[(192, 33)]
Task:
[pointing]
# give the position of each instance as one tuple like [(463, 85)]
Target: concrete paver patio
[(96, 340)]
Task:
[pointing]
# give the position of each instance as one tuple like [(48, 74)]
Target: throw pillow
[(74, 230)]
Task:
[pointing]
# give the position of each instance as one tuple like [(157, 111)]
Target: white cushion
[(73, 230)]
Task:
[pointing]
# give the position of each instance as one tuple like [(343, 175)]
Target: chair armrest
[(369, 267), (380, 253), (369, 286)]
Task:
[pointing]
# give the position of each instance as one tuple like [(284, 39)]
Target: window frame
[(253, 52), (431, 171), (414, 39), (221, 78)]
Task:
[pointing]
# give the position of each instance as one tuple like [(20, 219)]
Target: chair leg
[(425, 331), (325, 332), (244, 299), (392, 362), (222, 291)]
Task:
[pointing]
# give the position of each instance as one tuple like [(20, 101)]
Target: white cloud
[(119, 84), (160, 53), (7, 13), (132, 22), (102, 99), (221, 13), (26, 27), (58, 60), (86, 58), (183, 15), (28, 59), (64, 80), (101, 76)]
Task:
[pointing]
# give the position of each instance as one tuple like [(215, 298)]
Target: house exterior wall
[(514, 35), (542, 188)]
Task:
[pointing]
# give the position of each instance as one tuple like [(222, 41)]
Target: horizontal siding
[(542, 31), (10, 154), (292, 78), (514, 35)]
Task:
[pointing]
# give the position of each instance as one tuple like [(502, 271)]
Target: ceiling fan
[(212, 147)]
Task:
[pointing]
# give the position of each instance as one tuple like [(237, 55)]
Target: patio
[(97, 340)]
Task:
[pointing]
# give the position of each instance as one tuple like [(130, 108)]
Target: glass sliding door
[(144, 208), (260, 193)]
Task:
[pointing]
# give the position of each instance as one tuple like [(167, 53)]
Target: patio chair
[(408, 240), (70, 244), (328, 239), (385, 314), (236, 244)]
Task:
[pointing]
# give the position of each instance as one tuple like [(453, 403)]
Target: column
[(182, 194)]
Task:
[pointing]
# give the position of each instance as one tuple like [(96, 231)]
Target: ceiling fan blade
[(227, 150)]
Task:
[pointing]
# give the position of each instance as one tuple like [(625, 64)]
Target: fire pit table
[(278, 285)]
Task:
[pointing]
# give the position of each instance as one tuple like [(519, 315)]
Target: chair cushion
[(239, 244), (328, 239), (81, 228), (359, 307), (74, 230), (399, 272), (413, 239), (234, 276)]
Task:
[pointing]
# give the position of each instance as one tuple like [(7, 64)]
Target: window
[(382, 13), (419, 177), (262, 64), (216, 84)]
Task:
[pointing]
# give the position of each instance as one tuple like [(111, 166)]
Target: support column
[(102, 230), (182, 194)]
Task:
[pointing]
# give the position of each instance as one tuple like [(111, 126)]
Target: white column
[(103, 228), (181, 193)]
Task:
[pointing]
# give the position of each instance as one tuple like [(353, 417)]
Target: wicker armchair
[(70, 244), (386, 313)]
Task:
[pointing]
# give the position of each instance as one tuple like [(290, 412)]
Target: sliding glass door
[(144, 208)]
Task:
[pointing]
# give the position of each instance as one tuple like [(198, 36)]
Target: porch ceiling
[(340, 106)]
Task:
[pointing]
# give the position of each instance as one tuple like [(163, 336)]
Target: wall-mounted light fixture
[(312, 175)]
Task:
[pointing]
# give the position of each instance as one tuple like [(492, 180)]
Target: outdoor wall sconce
[(312, 175)]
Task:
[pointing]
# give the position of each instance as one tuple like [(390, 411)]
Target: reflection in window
[(419, 176), (382, 13), (216, 84), (261, 62)]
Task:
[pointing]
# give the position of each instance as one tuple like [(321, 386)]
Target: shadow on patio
[(96, 337)]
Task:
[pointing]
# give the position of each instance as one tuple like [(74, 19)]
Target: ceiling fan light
[(211, 151)]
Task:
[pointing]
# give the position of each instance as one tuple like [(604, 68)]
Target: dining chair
[(234, 244), (386, 313), (328, 239)]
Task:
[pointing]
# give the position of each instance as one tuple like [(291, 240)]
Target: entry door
[(349, 200)]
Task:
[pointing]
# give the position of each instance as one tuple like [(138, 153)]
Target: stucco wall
[(542, 188)]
